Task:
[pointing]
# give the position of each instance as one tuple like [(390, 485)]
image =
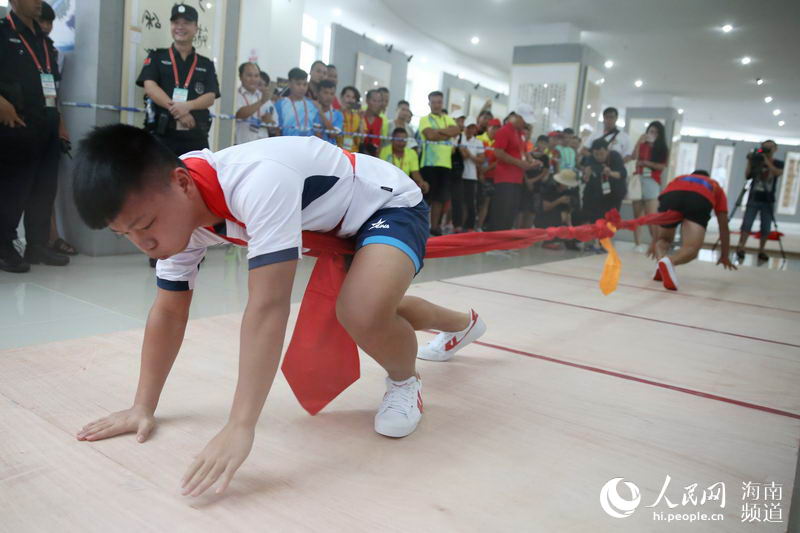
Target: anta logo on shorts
[(380, 224)]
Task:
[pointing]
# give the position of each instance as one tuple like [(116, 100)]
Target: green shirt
[(567, 156), (408, 164), (436, 155)]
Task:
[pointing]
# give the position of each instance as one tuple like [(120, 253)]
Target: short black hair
[(244, 66), (298, 74), (47, 13), (769, 141), (327, 84), (371, 93), (113, 162), (701, 172), (398, 131), (382, 90), (318, 62), (403, 102), (599, 144), (568, 131), (332, 66), (485, 112), (608, 110), (435, 93), (351, 88), (264, 76), (542, 138)]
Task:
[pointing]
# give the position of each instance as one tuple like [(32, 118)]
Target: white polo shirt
[(277, 188), (251, 129), (621, 143)]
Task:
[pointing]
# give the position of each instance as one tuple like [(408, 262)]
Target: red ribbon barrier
[(322, 359)]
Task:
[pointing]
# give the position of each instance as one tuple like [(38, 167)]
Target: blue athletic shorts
[(405, 228)]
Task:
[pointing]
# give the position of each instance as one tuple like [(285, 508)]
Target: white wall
[(431, 57), (270, 32)]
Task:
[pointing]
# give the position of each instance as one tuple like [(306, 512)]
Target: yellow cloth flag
[(612, 267)]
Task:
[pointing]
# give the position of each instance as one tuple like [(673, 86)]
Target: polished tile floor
[(95, 295)]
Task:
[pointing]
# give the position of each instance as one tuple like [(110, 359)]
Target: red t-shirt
[(374, 127), (336, 104), (701, 185), (507, 138), (645, 152)]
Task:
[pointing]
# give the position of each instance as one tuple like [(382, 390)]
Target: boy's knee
[(357, 320)]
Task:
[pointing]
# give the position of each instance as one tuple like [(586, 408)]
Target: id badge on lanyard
[(48, 88), (180, 94), (606, 187)]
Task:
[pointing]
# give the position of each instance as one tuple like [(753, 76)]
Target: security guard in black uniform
[(180, 85), (29, 142)]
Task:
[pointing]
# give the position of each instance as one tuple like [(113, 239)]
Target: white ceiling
[(674, 46)]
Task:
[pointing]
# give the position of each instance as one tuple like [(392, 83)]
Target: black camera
[(757, 158)]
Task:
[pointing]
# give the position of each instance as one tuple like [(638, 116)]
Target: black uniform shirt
[(20, 80), (158, 68)]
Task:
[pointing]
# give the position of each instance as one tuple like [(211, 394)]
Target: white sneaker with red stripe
[(445, 345), (668, 276), (401, 409)]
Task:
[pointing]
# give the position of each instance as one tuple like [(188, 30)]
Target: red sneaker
[(668, 276), (657, 275)]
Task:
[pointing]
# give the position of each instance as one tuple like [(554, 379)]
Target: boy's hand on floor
[(221, 457), (137, 419)]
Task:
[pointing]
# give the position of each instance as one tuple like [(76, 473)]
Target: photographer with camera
[(763, 169), (559, 200)]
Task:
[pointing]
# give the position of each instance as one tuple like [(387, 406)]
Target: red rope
[(473, 243)]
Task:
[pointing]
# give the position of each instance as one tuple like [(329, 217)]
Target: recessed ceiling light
[(552, 99), (781, 123), (638, 83), (767, 99), (475, 39), (745, 60), (601, 81), (337, 12), (609, 63), (546, 109), (545, 86), (776, 112), (361, 67), (588, 106), (375, 82), (759, 81), (680, 111), (727, 28), (209, 5), (593, 114), (460, 76)]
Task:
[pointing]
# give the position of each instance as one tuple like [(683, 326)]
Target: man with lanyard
[(616, 139), (180, 86), (330, 119), (253, 106), (436, 130), (373, 121), (353, 123), (404, 158), (297, 114), (29, 142)]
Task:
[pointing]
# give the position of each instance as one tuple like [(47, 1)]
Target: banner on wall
[(63, 33), (790, 185), (687, 158), (721, 165)]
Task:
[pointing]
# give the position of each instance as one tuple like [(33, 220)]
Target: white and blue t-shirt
[(277, 188)]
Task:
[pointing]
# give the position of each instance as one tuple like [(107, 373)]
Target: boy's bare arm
[(163, 336), (261, 344)]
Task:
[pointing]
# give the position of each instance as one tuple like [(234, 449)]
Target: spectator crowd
[(484, 173)]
